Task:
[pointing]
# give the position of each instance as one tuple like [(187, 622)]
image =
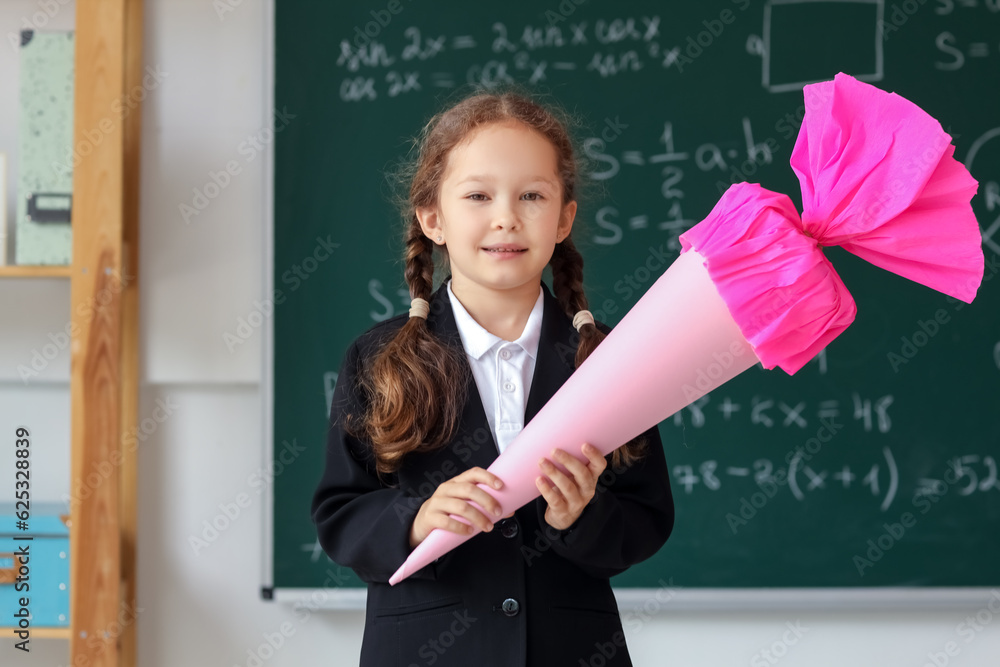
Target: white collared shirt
[(502, 369)]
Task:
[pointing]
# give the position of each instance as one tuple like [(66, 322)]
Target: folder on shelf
[(45, 149)]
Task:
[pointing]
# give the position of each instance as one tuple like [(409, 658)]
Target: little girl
[(425, 402)]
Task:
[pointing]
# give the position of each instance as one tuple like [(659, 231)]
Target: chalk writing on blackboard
[(329, 383), (969, 474), (945, 7), (606, 47), (720, 157), (990, 184), (769, 412), (955, 53), (803, 476)]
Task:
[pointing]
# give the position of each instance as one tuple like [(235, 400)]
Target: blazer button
[(508, 527), (511, 607)]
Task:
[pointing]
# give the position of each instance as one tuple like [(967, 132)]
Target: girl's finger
[(472, 492), (580, 471), (460, 507), (567, 486), (480, 476), (597, 462), (583, 476), (555, 499), (449, 523)]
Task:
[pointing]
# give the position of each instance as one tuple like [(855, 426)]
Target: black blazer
[(522, 594)]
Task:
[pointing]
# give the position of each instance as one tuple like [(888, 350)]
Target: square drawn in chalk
[(806, 41)]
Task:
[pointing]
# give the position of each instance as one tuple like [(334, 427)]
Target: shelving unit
[(104, 355), (36, 271)]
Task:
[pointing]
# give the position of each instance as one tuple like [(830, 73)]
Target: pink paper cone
[(878, 177), (699, 347)]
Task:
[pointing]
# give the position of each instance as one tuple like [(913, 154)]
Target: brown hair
[(416, 384)]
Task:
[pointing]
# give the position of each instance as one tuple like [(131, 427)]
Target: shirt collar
[(478, 341)]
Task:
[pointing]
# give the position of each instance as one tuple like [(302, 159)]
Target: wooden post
[(103, 363), (128, 499)]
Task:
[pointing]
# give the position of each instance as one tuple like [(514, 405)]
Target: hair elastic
[(581, 318), (419, 308)]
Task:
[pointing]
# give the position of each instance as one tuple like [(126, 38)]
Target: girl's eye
[(477, 196), (532, 196)]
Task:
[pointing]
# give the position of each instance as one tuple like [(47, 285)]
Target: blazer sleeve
[(362, 522), (628, 520)]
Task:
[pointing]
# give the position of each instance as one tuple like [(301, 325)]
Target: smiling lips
[(505, 249)]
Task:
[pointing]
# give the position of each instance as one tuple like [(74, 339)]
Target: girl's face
[(500, 209)]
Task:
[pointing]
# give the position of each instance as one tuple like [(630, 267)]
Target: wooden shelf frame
[(39, 633), (40, 271), (104, 354), (104, 370)]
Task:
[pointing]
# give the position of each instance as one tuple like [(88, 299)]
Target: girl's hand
[(567, 495), (452, 497)]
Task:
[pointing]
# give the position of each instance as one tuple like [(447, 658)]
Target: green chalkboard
[(885, 448)]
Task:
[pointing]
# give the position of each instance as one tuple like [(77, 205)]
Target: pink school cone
[(878, 178), (615, 395)]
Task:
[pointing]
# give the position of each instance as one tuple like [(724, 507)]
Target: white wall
[(196, 280)]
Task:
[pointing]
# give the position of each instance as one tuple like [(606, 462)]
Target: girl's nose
[(505, 217)]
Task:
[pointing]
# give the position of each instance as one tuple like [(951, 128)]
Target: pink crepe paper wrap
[(878, 178)]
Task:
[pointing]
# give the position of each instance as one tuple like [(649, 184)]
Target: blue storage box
[(48, 569)]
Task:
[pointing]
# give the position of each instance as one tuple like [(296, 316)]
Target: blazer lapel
[(554, 362), (441, 322)]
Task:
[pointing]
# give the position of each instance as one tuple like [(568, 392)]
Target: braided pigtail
[(416, 385), (567, 284)]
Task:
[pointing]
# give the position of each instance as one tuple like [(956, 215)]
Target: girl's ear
[(566, 221), (430, 222)]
